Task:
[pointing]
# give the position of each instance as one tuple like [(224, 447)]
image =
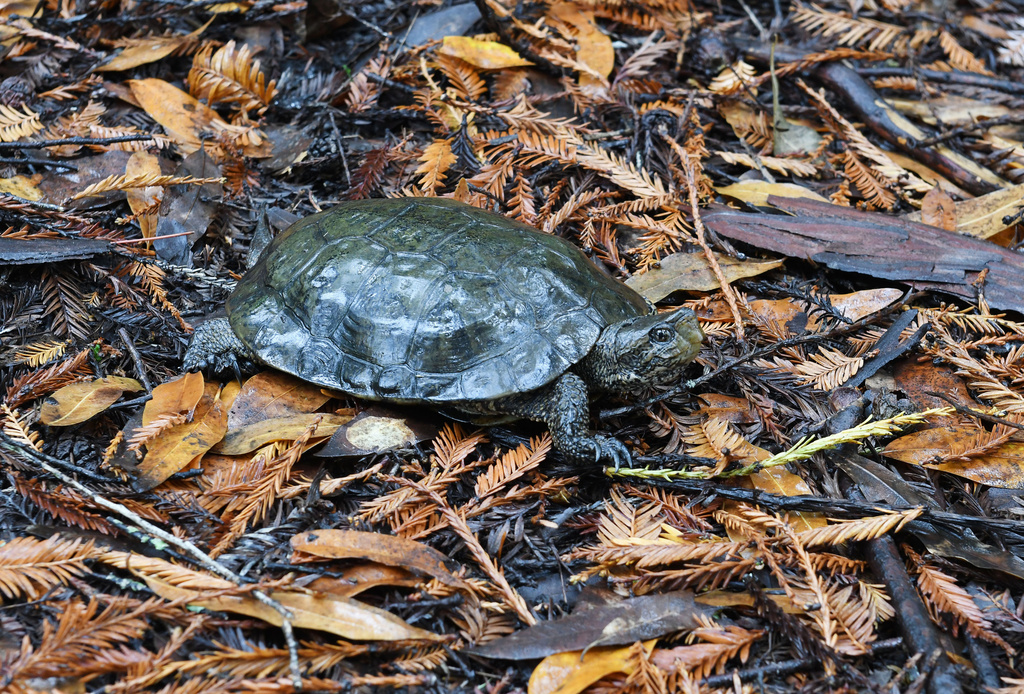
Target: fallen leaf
[(938, 209), (690, 272), (486, 55), (573, 671), (983, 216), (1002, 467), (384, 549), (349, 582), (862, 304), (147, 198), (379, 429), (756, 192), (174, 449), (272, 394), (176, 396), (22, 186), (78, 402), (331, 613), (252, 436), (611, 624), (186, 120), (149, 50)]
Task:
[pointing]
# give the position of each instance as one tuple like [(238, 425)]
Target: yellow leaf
[(691, 272), (486, 55), (757, 192), (149, 50), (78, 402), (144, 164), (568, 673), (22, 186)]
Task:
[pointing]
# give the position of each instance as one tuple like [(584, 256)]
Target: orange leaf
[(174, 397), (186, 120), (568, 673), (176, 448)]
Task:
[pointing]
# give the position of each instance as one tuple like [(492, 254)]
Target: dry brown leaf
[(383, 549), (271, 394), (249, 437), (574, 671)]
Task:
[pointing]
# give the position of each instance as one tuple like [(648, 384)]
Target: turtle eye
[(662, 334)]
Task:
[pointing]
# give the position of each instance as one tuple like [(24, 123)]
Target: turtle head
[(641, 352)]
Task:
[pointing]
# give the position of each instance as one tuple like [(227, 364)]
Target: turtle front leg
[(564, 407), (214, 346)]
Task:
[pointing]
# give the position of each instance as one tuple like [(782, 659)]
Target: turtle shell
[(424, 300)]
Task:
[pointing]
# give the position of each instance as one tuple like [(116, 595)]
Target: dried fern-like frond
[(463, 77), (512, 465), (65, 305), (127, 181), (829, 369), (860, 32), (15, 428), (622, 522), (789, 167), (15, 125), (959, 57), (858, 530), (36, 354), (941, 592), (83, 641), (522, 205), (437, 158), (30, 567), (32, 385), (230, 76), (868, 182)]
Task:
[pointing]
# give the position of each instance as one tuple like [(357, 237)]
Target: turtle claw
[(605, 448)]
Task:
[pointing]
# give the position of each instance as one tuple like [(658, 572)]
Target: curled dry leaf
[(573, 671), (331, 613), (384, 549), (78, 402)]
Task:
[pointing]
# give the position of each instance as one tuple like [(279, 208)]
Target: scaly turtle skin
[(427, 300)]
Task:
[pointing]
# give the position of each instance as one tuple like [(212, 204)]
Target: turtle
[(434, 301)]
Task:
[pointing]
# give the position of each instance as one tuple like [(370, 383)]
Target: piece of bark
[(881, 246)]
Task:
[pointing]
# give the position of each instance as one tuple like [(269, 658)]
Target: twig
[(785, 667), (35, 144), (188, 549), (698, 225), (139, 366), (991, 419), (461, 528)]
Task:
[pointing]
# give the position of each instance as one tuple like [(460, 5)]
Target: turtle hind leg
[(215, 347), (564, 407)]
